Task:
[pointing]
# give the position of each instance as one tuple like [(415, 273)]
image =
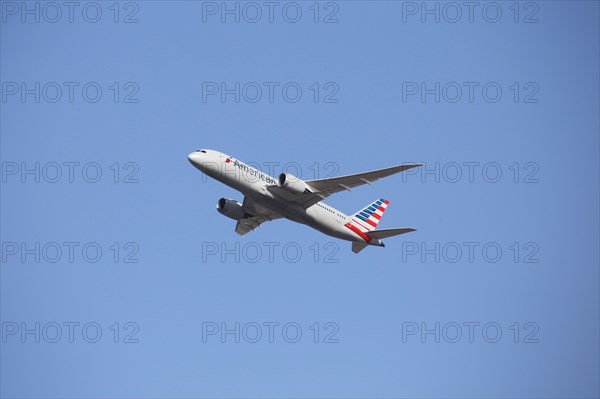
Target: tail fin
[(368, 218)]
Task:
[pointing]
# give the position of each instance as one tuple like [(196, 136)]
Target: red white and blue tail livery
[(368, 218), (267, 198)]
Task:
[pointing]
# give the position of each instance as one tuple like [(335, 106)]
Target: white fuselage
[(253, 184)]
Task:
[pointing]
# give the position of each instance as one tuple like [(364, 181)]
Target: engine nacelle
[(230, 208), (292, 183)]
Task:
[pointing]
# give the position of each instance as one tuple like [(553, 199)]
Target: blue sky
[(511, 167)]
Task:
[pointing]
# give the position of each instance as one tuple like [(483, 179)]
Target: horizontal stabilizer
[(358, 246), (389, 232)]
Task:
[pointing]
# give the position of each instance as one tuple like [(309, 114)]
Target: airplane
[(267, 198)]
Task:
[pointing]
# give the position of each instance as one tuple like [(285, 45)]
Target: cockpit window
[(204, 151)]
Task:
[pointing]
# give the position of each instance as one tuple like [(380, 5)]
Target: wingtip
[(407, 165)]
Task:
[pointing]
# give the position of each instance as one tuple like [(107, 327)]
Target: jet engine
[(292, 183), (231, 208)]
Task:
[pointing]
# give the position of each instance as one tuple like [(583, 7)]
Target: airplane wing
[(258, 215), (323, 188)]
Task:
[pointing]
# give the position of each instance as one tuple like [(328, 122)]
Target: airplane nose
[(194, 158)]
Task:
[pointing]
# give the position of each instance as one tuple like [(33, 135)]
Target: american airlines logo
[(251, 171), (305, 171)]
